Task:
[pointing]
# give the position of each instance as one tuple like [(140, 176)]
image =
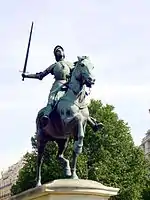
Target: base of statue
[(68, 189)]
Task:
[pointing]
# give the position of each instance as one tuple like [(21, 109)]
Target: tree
[(109, 157), (146, 191)]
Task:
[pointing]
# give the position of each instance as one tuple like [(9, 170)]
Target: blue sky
[(116, 36)]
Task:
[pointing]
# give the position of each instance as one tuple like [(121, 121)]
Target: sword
[(27, 53)]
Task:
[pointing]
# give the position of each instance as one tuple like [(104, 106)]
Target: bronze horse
[(69, 117)]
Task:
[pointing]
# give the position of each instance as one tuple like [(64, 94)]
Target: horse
[(68, 118)]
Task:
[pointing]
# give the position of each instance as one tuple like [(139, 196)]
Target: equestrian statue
[(66, 113)]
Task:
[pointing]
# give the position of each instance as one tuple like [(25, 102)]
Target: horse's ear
[(79, 58), (87, 57), (82, 58)]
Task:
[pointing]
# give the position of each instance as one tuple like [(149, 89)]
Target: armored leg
[(48, 109), (45, 117)]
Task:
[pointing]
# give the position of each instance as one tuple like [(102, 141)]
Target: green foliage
[(146, 191), (109, 157), (27, 174)]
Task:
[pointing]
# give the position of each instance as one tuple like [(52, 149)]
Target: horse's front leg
[(94, 124), (78, 145), (74, 165), (62, 145)]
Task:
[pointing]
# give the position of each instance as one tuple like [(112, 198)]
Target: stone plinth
[(68, 189)]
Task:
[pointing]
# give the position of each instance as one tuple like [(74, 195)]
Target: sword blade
[(27, 53)]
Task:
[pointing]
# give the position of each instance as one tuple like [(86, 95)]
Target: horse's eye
[(82, 65)]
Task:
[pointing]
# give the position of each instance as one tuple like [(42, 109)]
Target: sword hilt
[(22, 73)]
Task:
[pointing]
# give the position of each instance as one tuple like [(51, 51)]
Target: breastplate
[(61, 70)]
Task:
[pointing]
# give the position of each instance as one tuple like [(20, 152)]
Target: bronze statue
[(66, 112)]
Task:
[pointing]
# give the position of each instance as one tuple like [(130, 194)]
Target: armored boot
[(94, 124), (45, 118)]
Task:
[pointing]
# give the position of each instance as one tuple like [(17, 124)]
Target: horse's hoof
[(38, 184), (98, 127), (74, 176)]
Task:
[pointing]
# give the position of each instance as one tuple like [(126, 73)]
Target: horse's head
[(83, 72)]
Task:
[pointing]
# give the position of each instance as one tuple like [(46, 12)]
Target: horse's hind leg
[(62, 145), (41, 146)]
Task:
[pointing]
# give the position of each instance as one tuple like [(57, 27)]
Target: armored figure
[(61, 70)]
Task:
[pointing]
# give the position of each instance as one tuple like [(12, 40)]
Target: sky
[(114, 34)]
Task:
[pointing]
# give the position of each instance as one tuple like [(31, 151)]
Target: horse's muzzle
[(89, 82)]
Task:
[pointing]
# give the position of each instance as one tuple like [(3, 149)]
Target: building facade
[(145, 145), (8, 178)]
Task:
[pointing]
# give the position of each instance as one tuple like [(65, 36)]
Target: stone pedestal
[(68, 189)]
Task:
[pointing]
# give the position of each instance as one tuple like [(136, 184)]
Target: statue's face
[(59, 54)]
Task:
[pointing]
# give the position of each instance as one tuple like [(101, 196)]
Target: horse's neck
[(76, 92), (75, 86)]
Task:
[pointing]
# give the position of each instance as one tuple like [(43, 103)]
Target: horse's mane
[(75, 65), (80, 59)]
